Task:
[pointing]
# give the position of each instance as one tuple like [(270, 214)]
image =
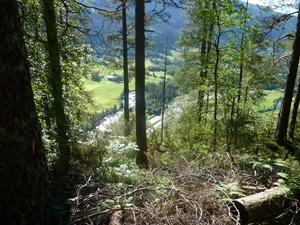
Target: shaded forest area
[(149, 112)]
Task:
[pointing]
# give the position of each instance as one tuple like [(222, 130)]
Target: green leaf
[(283, 175)]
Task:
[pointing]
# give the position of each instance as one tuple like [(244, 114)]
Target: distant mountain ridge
[(171, 29)]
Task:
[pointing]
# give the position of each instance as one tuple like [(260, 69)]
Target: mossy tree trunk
[(23, 182), (56, 83)]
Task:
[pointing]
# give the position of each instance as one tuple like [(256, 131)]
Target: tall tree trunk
[(241, 69), (141, 136), (209, 45), (283, 120), (216, 70), (216, 98), (125, 68), (207, 30), (246, 94), (56, 84), (164, 94), (203, 69), (231, 130), (206, 107), (241, 74), (234, 130), (295, 113), (23, 181)]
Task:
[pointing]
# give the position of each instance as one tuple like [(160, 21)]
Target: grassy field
[(269, 99), (105, 94)]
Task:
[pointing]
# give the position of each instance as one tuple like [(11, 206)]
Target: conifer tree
[(23, 182)]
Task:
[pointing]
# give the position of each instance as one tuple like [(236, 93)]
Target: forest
[(149, 112)]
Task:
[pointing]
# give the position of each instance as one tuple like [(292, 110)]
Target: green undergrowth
[(189, 181)]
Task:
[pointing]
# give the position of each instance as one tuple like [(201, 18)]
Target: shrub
[(96, 77)]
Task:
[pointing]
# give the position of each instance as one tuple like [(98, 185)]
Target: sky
[(277, 5)]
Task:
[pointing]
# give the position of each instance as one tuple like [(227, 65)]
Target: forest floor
[(187, 192)]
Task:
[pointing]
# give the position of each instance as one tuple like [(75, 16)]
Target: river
[(106, 123)]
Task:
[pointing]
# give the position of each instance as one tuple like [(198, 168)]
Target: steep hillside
[(171, 29)]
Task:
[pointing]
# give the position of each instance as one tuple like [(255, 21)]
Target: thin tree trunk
[(282, 125), (234, 130), (241, 69), (205, 50), (164, 95), (246, 95), (203, 63), (231, 130), (216, 99), (125, 68), (216, 69), (209, 45), (206, 107), (295, 113), (141, 136), (56, 84), (23, 182)]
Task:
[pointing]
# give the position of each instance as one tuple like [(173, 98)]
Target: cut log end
[(260, 206), (238, 211)]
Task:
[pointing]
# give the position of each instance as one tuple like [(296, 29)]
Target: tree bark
[(295, 113), (216, 69), (283, 120), (125, 68), (56, 83), (141, 138), (23, 181)]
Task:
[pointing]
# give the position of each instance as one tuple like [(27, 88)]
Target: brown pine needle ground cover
[(183, 193)]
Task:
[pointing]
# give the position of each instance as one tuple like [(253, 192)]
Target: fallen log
[(253, 189), (260, 206)]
